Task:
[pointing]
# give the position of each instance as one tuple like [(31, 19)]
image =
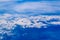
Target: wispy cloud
[(4, 0), (38, 7), (41, 7)]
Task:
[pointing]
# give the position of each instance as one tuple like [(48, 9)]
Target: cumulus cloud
[(8, 22), (38, 7)]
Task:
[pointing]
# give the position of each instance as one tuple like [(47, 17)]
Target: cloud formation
[(41, 7), (38, 7), (8, 20)]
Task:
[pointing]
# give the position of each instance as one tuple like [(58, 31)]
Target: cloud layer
[(41, 7), (9, 22), (38, 7)]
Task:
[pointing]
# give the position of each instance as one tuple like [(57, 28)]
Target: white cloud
[(26, 22), (38, 7), (9, 21), (55, 23), (23, 21)]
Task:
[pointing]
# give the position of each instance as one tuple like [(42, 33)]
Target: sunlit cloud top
[(9, 21)]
